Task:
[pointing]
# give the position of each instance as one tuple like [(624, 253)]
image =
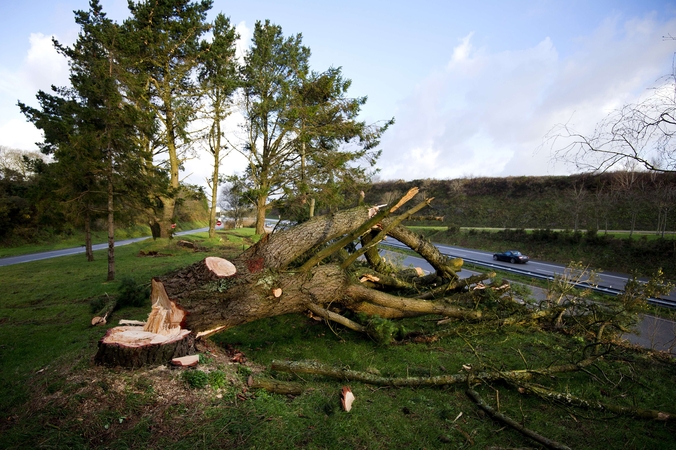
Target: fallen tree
[(305, 268), (308, 269)]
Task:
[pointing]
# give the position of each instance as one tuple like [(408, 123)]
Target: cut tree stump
[(163, 337), (130, 346)]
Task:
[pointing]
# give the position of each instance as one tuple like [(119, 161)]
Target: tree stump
[(163, 337)]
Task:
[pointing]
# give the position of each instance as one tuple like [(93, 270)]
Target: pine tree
[(90, 128)]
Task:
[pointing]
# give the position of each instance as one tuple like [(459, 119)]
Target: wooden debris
[(131, 322), (276, 386), (99, 320), (346, 398), (514, 424), (220, 267), (369, 277), (186, 361)]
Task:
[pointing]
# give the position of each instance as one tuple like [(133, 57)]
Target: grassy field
[(53, 396)]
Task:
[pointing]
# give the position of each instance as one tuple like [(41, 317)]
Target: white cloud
[(487, 113), (42, 67)]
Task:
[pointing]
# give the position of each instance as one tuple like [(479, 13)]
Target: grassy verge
[(48, 242), (52, 395)]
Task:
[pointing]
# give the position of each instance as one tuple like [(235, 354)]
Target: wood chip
[(369, 277), (186, 361), (346, 398)]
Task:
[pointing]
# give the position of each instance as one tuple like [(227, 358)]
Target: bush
[(131, 293)]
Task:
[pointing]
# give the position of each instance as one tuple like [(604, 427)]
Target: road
[(608, 282), (8, 261)]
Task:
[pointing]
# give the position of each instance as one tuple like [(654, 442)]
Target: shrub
[(131, 293)]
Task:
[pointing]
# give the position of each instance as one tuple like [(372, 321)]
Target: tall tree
[(164, 48), (302, 134), (273, 69), (90, 127), (219, 80), (336, 150)]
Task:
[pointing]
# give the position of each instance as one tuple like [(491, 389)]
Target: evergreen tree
[(273, 70), (336, 149), (303, 136), (90, 128)]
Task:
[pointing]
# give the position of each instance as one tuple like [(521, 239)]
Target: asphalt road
[(608, 282)]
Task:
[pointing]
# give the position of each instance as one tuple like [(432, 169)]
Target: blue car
[(512, 256)]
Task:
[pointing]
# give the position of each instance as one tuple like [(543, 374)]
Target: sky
[(474, 87)]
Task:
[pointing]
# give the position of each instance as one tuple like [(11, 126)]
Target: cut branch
[(514, 424)]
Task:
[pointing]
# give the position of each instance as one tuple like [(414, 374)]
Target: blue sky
[(474, 86)]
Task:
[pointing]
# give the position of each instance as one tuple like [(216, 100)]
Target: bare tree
[(640, 132)]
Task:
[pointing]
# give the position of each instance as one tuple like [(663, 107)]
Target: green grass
[(52, 395)]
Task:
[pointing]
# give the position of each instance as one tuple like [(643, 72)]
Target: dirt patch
[(102, 404)]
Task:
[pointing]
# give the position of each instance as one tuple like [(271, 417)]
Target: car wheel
[(512, 260), (495, 257)]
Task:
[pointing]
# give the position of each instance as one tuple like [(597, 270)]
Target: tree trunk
[(88, 236), (276, 277), (261, 205), (111, 222)]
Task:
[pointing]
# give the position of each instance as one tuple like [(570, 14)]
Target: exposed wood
[(276, 292), (101, 317), (131, 322), (220, 267), (186, 361), (346, 398), (129, 346)]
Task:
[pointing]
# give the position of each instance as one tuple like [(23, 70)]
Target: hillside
[(610, 201)]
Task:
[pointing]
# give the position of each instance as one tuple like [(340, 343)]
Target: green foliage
[(131, 293), (383, 331), (196, 379), (217, 379)]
